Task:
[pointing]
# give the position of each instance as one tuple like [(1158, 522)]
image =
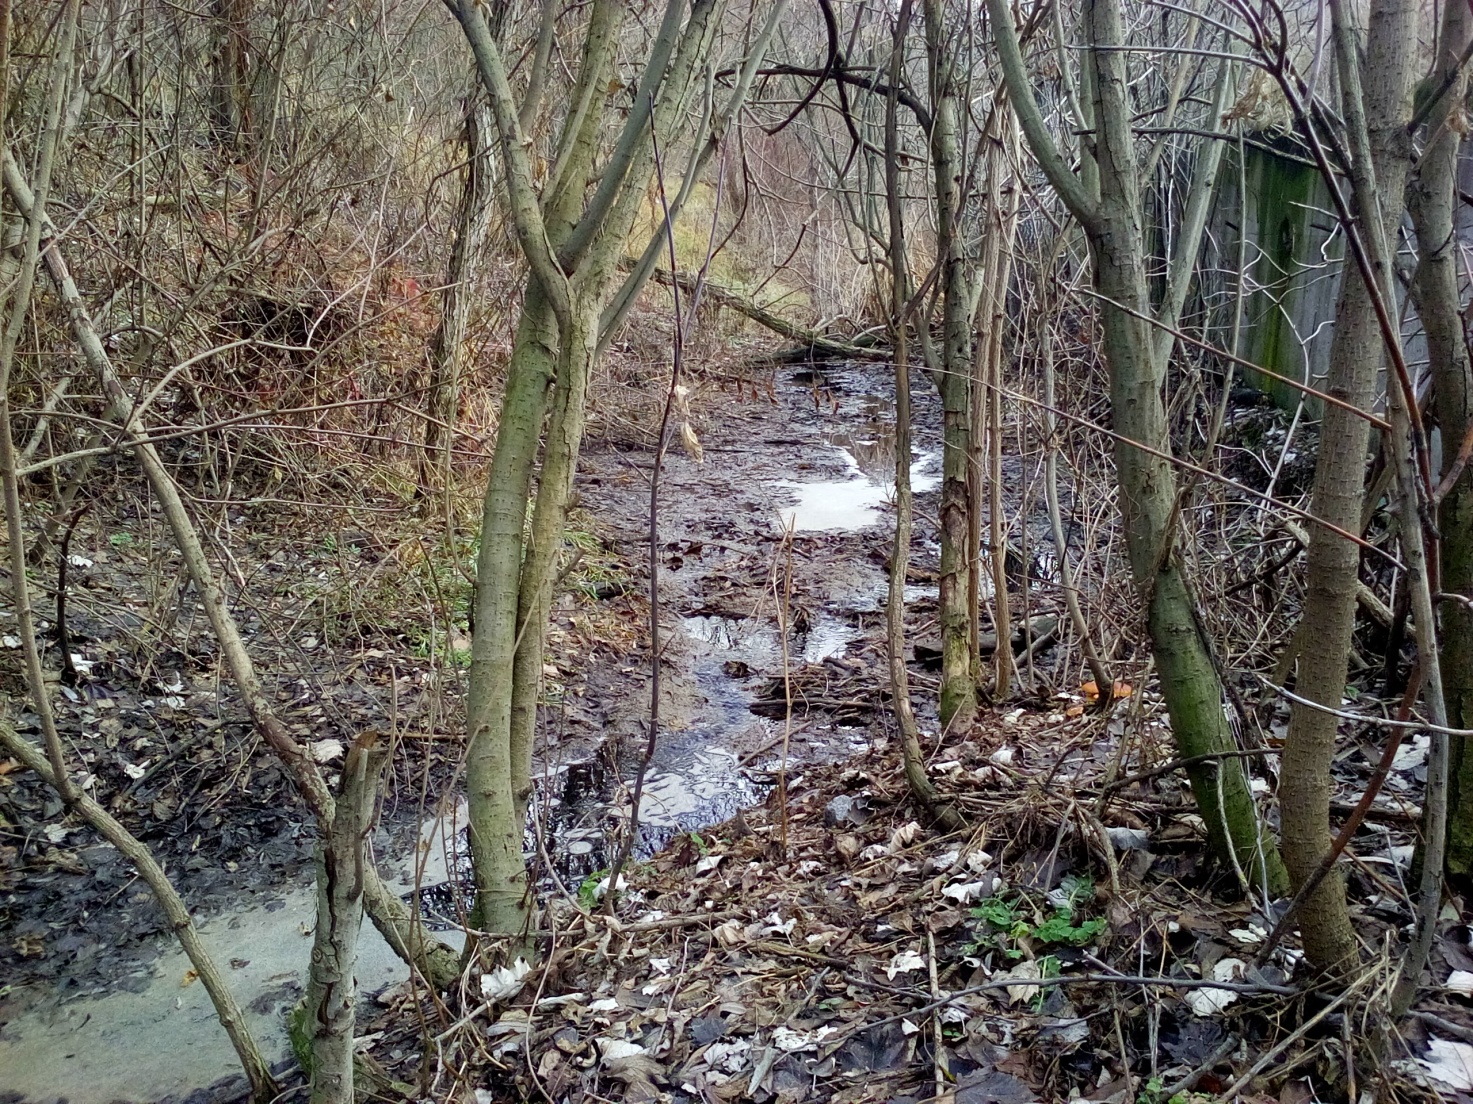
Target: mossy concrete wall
[(1293, 262)]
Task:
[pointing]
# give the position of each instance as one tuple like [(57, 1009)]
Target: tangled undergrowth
[(1067, 946)]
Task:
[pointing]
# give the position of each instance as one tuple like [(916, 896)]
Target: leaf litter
[(815, 955)]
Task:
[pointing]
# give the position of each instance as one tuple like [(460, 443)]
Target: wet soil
[(168, 748), (771, 591)]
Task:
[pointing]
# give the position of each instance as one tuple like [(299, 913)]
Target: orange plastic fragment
[(1119, 690)]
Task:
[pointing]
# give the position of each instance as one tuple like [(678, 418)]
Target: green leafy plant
[(1058, 929), (1153, 1092), (588, 889), (998, 912)]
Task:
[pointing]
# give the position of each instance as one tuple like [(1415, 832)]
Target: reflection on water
[(865, 442), (855, 502)]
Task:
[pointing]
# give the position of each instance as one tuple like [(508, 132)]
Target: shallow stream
[(156, 1037)]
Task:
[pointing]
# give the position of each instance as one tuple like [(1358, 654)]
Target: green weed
[(1012, 920)]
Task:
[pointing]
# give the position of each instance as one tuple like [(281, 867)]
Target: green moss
[(1283, 194)]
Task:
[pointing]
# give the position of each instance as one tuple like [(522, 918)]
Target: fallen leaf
[(966, 892), (612, 1050), (1118, 690), (786, 1039), (1023, 971), (505, 982), (1449, 1063), (904, 836), (1129, 839), (1209, 1002), (993, 1087), (904, 963), (691, 443)]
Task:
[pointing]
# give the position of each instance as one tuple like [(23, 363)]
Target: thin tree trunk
[(1430, 197), (1357, 353), (447, 350), (1104, 683), (995, 299), (495, 831), (952, 372), (913, 758), (230, 83), (329, 1009)]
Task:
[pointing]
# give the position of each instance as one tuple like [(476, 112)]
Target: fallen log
[(811, 345)]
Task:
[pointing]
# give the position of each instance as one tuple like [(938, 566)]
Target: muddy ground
[(779, 940), (348, 633)]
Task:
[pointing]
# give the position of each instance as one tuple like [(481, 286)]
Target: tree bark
[(447, 350), (1357, 353), (330, 1005), (230, 76), (495, 832), (952, 374), (1431, 197), (913, 759)]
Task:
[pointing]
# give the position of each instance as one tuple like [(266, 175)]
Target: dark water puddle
[(96, 1051), (696, 777)]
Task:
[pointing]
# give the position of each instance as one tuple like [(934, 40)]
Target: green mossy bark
[(1431, 196), (491, 787), (1190, 681), (1380, 148), (1105, 198), (573, 241)]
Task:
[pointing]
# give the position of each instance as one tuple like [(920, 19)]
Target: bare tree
[(1106, 201), (1431, 198), (571, 232), (1379, 168)]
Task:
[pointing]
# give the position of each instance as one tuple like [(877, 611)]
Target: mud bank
[(781, 526)]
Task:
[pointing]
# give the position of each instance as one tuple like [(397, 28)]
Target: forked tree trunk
[(1357, 353), (572, 241), (1111, 217), (1430, 197)]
